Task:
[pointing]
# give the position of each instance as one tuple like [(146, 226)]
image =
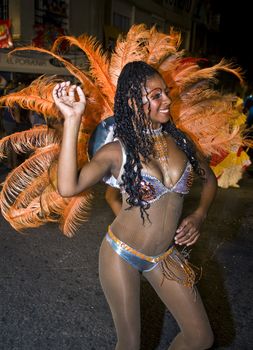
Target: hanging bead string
[(161, 153)]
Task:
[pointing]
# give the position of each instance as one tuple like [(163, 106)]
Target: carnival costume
[(153, 190), (170, 262), (29, 196)]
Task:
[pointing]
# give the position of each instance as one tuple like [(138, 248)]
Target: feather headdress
[(29, 197)]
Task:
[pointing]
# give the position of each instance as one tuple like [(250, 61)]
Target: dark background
[(236, 35)]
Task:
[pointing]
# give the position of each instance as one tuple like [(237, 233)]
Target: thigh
[(184, 303), (121, 286)]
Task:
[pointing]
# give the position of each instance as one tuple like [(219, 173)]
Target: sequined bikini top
[(152, 188)]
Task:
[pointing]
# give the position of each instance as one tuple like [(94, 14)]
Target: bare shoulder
[(110, 148), (110, 152)]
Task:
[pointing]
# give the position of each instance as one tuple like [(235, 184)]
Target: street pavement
[(51, 299)]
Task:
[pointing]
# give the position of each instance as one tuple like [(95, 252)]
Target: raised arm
[(71, 101), (188, 231)]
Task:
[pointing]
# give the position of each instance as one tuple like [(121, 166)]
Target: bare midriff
[(156, 233)]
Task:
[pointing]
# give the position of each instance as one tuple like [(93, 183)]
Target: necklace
[(161, 151), (154, 132), (157, 132)]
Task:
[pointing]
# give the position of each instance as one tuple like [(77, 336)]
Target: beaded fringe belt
[(173, 264)]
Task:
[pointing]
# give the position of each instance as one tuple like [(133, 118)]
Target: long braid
[(131, 125), (186, 145)]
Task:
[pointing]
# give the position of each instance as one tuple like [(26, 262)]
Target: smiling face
[(156, 101)]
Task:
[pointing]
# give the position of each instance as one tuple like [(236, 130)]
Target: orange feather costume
[(29, 196)]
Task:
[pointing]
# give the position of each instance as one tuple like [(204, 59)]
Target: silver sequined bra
[(152, 189)]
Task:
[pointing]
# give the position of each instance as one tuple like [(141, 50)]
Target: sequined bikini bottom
[(173, 264)]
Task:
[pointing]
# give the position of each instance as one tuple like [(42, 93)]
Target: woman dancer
[(153, 162)]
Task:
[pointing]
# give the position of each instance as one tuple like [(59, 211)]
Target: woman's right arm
[(70, 182)]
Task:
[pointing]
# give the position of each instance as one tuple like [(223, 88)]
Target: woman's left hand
[(188, 231)]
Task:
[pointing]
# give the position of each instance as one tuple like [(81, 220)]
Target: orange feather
[(75, 213)]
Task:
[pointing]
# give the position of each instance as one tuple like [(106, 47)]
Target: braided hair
[(134, 129)]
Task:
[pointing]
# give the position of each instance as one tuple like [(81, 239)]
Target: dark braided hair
[(131, 126), (186, 145)]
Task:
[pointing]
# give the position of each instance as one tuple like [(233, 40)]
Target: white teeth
[(164, 110)]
